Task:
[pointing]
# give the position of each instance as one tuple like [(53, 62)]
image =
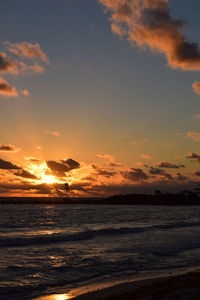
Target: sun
[(49, 179), (41, 171)]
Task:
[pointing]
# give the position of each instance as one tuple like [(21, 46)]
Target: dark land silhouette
[(158, 198)]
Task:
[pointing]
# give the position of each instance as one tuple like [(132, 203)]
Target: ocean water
[(45, 248)]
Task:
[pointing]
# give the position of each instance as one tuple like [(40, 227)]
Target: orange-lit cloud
[(69, 177), (138, 142), (193, 135), (135, 174), (11, 65), (27, 50), (145, 156), (39, 148), (196, 87), (196, 116), (8, 148), (6, 89), (25, 92), (53, 133), (193, 155), (109, 157), (111, 160), (150, 24), (178, 133)]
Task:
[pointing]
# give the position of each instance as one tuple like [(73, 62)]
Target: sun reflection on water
[(54, 297)]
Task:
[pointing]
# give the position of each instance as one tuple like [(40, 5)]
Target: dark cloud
[(71, 164), (103, 172), (181, 177), (24, 186), (25, 174), (169, 165), (194, 155), (6, 89), (135, 174), (149, 23), (6, 165), (57, 167), (62, 167), (157, 171), (10, 65), (8, 148), (7, 65)]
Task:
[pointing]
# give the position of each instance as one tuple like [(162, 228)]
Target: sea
[(48, 248)]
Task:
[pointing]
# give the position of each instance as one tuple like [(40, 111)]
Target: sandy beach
[(173, 287), (185, 286)]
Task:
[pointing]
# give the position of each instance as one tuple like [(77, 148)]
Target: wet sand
[(173, 287), (180, 287)]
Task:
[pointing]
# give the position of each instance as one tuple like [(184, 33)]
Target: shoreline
[(185, 283)]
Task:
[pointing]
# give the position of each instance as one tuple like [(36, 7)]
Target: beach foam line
[(111, 290)]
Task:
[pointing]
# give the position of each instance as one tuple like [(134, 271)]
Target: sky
[(99, 97)]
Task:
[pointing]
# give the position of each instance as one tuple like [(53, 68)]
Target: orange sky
[(103, 100)]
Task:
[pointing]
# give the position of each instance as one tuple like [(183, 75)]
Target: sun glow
[(42, 171)]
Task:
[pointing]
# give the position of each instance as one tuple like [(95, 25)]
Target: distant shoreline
[(161, 199)]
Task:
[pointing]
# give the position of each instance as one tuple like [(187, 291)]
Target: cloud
[(57, 167), (39, 148), (157, 171), (109, 157), (32, 159), (26, 174), (141, 164), (27, 50), (193, 135), (8, 148), (139, 142), (12, 66), (196, 117), (181, 177), (6, 89), (53, 133), (25, 92), (135, 174), (6, 165), (193, 155), (150, 24), (71, 164), (7, 65), (37, 188), (169, 165), (178, 133), (196, 87), (111, 160), (103, 172), (145, 156)]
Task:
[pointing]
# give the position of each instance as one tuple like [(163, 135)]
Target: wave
[(86, 235)]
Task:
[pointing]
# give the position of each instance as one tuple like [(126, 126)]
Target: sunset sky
[(102, 95)]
